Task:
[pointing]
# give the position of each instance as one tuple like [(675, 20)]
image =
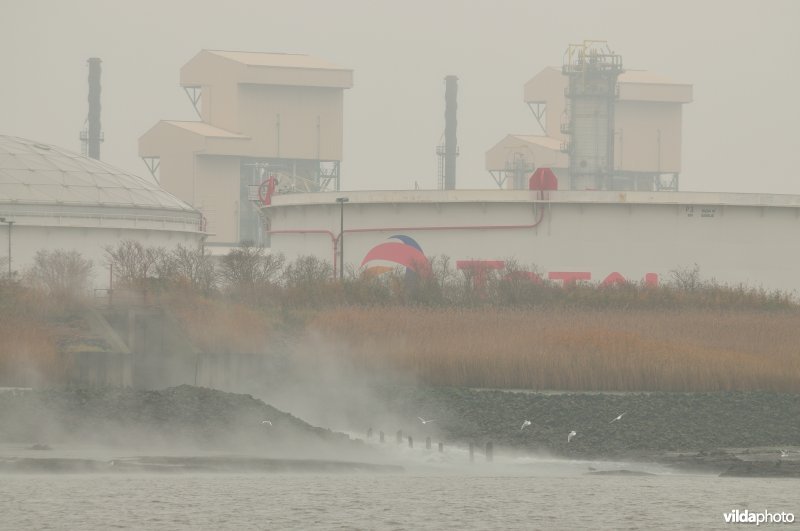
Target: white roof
[(645, 76), (528, 196), (36, 173), (544, 141), (283, 60), (204, 129)]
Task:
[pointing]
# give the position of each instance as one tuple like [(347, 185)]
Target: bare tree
[(686, 278), (133, 263), (308, 270), (62, 274), (250, 266), (192, 267)]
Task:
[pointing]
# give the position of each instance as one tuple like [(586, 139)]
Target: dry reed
[(572, 349)]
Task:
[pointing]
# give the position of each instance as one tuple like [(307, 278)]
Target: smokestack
[(450, 142), (92, 135)]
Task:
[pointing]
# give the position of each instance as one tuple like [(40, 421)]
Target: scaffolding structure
[(592, 69)]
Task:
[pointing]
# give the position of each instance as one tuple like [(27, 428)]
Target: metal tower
[(592, 68)]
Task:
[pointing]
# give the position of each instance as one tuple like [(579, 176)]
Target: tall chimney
[(450, 142), (94, 135)]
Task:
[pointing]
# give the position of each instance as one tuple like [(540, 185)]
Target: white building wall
[(90, 237), (26, 241), (732, 237)]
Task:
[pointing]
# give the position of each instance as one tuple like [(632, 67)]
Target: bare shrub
[(308, 282), (686, 278), (192, 268), (306, 271), (63, 275), (250, 266), (133, 263)]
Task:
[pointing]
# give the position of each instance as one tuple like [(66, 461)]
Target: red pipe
[(335, 239)]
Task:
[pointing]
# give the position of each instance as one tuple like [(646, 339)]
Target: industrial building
[(52, 199), (563, 236), (604, 127), (261, 115), (593, 199)]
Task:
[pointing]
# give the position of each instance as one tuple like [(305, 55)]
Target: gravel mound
[(178, 418)]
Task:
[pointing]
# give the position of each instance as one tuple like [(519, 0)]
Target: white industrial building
[(645, 128), (261, 114), (567, 235), (54, 199), (611, 135)]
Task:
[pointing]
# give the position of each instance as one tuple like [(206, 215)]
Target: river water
[(524, 494)]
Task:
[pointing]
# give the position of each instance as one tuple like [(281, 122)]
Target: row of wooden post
[(489, 445)]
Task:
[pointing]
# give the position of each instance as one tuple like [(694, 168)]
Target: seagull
[(526, 423), (267, 422), (619, 417), (571, 435), (784, 453), (422, 420)]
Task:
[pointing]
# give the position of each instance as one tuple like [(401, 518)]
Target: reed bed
[(573, 349), (220, 326), (28, 340)]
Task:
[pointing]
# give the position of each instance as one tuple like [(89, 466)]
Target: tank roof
[(37, 173)]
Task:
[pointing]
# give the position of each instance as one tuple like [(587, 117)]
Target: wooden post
[(489, 451), (399, 436), (441, 447), (131, 331), (471, 453), (427, 443), (410, 442), (381, 436)]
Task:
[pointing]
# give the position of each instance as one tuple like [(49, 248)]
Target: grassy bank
[(446, 329)]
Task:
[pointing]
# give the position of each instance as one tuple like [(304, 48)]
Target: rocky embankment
[(737, 434), (741, 433), (176, 419)]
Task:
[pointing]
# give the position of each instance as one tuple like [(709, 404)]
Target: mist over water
[(393, 501)]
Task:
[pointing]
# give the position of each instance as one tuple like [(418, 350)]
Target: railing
[(183, 220)]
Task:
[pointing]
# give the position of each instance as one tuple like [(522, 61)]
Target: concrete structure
[(262, 114), (568, 235), (61, 200), (647, 133)]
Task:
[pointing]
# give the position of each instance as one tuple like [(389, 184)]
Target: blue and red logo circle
[(399, 250)]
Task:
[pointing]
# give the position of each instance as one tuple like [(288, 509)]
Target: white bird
[(266, 422), (526, 423), (422, 420), (571, 435), (784, 453), (619, 417)]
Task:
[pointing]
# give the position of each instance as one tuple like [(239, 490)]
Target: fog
[(740, 133)]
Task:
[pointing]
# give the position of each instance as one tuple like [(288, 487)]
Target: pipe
[(459, 227), (335, 239)]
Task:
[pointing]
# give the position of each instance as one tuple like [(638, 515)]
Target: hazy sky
[(741, 133)]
